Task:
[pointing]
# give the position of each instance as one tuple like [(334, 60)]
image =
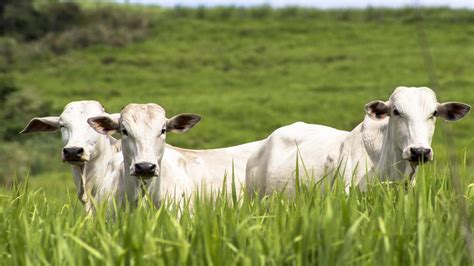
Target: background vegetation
[(38, 31), (247, 72)]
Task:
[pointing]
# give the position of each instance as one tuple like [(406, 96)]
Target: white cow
[(175, 171), (393, 139), (96, 160)]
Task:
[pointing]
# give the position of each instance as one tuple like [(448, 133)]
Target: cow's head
[(412, 115), (143, 128), (78, 137)]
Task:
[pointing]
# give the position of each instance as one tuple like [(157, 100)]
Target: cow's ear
[(42, 124), (182, 122), (377, 110), (452, 111), (105, 124)]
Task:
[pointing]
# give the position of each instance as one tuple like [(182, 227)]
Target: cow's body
[(170, 171), (321, 151), (384, 145), (185, 171), (209, 168)]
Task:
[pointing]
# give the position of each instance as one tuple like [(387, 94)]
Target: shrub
[(59, 17), (260, 12), (60, 27), (20, 18), (7, 87), (7, 54), (13, 161), (18, 106), (109, 26)]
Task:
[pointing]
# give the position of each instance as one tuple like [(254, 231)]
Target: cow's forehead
[(413, 97), (140, 113), (81, 109)]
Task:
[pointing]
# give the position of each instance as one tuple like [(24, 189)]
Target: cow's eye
[(396, 112), (124, 132), (435, 113), (163, 131)]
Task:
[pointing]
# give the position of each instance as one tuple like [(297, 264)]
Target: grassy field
[(387, 225), (247, 72)]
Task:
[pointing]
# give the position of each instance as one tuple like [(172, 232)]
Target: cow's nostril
[(420, 154), (145, 169), (138, 167), (420, 151), (80, 151), (415, 151)]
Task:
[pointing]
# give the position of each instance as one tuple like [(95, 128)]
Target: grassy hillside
[(248, 72)]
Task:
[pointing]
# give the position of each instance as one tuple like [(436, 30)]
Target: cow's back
[(273, 165), (211, 166)]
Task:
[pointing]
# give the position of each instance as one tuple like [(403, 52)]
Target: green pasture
[(248, 72), (247, 75)]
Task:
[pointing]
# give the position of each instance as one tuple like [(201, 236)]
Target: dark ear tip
[(372, 104), (468, 109), (91, 120), (192, 117)]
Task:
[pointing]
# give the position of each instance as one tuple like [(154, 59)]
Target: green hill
[(250, 71), (247, 72)]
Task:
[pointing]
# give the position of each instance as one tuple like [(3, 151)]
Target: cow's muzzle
[(74, 155), (144, 170), (419, 155)]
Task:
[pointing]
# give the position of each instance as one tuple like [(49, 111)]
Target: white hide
[(178, 171), (99, 174), (378, 147)]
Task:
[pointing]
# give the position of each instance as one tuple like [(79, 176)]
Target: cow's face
[(143, 128), (412, 115), (78, 137)]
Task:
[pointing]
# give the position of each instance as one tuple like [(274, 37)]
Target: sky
[(308, 3)]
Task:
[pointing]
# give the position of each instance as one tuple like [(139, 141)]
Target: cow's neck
[(385, 156), (89, 175), (170, 181), (141, 187), (166, 177)]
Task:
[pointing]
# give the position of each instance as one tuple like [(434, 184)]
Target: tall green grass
[(247, 72), (390, 224)]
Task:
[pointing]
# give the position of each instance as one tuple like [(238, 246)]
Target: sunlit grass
[(390, 224), (248, 72)]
